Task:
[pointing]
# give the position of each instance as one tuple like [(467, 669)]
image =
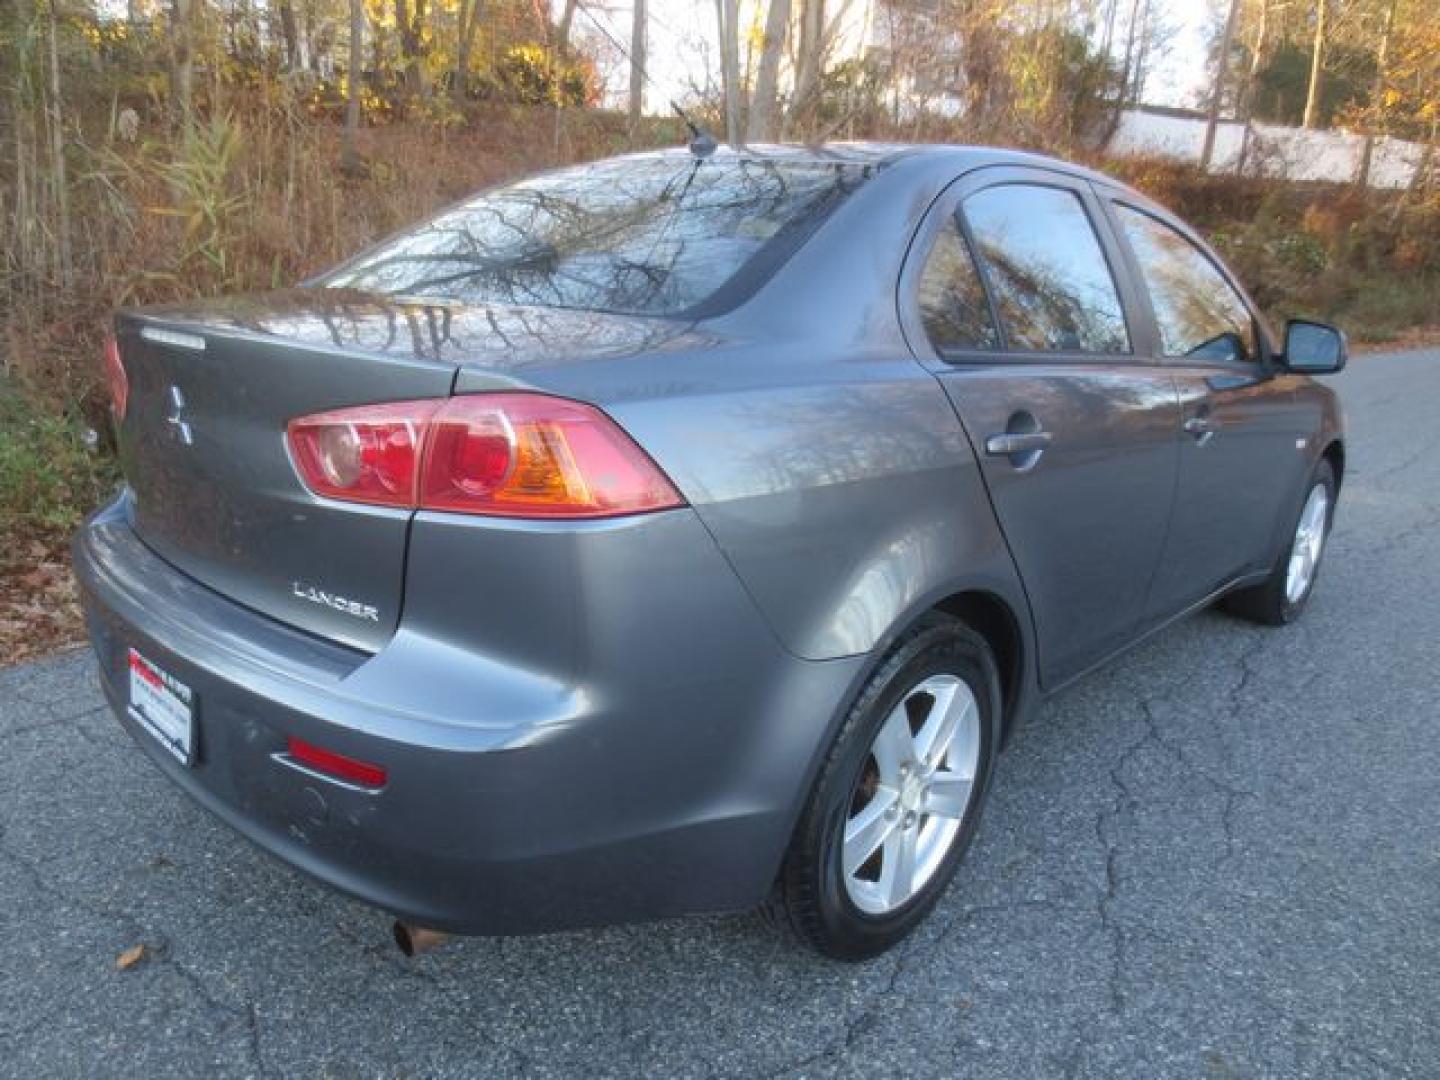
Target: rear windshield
[(647, 237)]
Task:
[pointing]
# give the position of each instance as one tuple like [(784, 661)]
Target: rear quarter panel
[(841, 489)]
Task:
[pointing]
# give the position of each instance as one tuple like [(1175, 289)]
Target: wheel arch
[(988, 607), (1334, 453), (994, 620)]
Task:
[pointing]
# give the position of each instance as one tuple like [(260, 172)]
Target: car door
[(1241, 426), (1010, 296)]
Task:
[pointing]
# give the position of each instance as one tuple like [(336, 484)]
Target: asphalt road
[(1219, 857)]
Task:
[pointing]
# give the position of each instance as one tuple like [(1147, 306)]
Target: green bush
[(48, 478)]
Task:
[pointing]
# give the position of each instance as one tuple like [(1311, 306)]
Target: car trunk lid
[(203, 448)]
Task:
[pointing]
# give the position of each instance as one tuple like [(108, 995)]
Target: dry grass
[(247, 203)]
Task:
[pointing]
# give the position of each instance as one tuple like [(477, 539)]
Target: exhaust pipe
[(414, 939)]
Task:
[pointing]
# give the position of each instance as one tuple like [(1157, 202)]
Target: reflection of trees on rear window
[(1198, 313), (1047, 272), (645, 237)]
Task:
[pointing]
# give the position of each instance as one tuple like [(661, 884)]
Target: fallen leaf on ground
[(130, 957)]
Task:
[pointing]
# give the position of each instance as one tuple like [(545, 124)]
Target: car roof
[(888, 153)]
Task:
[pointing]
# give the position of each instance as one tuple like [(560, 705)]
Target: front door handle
[(1017, 442)]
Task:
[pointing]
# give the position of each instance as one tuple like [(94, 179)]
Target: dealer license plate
[(163, 706)]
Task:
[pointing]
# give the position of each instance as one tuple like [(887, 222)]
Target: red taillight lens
[(116, 379), (370, 454), (511, 455), (337, 765)]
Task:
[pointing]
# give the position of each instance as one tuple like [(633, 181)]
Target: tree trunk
[(1107, 43), (1376, 119), (1317, 67), (1127, 68), (410, 27), (728, 13), (350, 160), (1257, 60), (182, 57), (637, 68), (809, 56), (469, 14), (1142, 53), (767, 78), (57, 151), (567, 19), (1217, 93), (291, 35)]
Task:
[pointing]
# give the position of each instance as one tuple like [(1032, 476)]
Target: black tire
[(1267, 602), (810, 894)]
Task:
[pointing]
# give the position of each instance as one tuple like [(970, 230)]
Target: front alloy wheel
[(1281, 597), (1308, 544)]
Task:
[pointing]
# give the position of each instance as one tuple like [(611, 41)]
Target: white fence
[(1293, 153)]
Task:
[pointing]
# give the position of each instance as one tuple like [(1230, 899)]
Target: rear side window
[(1197, 311), (952, 301), (1047, 271)]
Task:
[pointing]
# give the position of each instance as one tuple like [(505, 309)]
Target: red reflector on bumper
[(337, 765)]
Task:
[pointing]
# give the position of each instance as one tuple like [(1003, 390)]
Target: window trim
[(1117, 201), (947, 204)]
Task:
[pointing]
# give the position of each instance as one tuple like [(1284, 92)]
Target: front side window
[(649, 237), (1047, 271), (952, 301), (1198, 313)]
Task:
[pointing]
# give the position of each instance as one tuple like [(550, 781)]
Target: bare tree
[(1142, 51), (182, 57), (468, 14), (1376, 120), (410, 26), (767, 77), (728, 15), (350, 160), (1127, 69), (57, 153), (1258, 55), (1217, 92), (567, 20), (1317, 66), (290, 35), (637, 66)]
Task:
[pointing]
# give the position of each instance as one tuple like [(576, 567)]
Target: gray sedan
[(685, 532)]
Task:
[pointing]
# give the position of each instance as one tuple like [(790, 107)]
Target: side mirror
[(1314, 348)]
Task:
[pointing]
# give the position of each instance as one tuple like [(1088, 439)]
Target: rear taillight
[(116, 379), (510, 454)]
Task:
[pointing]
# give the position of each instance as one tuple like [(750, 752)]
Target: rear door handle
[(1201, 428), (1017, 442)]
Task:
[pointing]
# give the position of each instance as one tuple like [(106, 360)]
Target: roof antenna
[(702, 143)]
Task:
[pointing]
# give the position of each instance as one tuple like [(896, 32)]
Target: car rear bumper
[(655, 779)]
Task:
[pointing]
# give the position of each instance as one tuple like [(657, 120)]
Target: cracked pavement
[(1217, 857)]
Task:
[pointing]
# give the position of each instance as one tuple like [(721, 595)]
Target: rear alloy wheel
[(1281, 597), (912, 794), (899, 796)]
